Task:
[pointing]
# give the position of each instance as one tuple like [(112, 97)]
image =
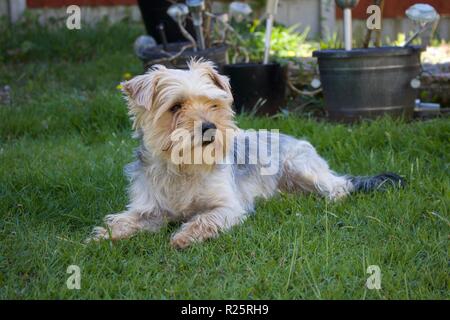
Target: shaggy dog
[(209, 179)]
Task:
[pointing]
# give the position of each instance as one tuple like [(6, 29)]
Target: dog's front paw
[(97, 234), (198, 230), (181, 240)]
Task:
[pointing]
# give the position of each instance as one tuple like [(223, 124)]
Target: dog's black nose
[(207, 126), (208, 132)]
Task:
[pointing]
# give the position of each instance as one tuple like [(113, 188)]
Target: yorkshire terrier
[(210, 193)]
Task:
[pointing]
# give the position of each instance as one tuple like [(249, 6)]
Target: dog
[(210, 198)]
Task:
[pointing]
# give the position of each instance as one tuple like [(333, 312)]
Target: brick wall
[(65, 3), (396, 8)]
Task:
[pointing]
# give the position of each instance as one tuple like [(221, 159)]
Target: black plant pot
[(153, 13), (257, 87), (368, 83), (156, 55)]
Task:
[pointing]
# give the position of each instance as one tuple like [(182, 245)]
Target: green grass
[(66, 138)]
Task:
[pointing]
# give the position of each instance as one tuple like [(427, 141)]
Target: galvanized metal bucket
[(368, 83)]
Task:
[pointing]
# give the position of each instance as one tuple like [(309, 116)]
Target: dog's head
[(182, 109)]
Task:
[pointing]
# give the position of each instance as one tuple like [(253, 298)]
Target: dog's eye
[(175, 108), (214, 106)]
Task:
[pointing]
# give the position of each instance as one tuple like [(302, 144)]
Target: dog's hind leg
[(304, 170), (126, 224)]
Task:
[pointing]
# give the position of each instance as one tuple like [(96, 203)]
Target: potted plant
[(191, 21), (258, 87), (369, 82)]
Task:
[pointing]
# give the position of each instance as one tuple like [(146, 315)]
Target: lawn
[(66, 138)]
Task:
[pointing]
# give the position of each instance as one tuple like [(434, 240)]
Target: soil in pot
[(368, 83), (257, 87)]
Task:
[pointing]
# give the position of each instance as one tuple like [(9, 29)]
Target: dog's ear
[(219, 80), (141, 89), (210, 69)]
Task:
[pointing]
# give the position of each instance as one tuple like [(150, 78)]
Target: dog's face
[(166, 102)]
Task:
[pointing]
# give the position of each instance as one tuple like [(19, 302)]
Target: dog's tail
[(378, 182)]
